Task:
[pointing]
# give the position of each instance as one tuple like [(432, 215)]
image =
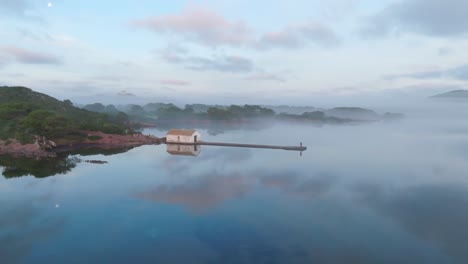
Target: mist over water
[(383, 192)]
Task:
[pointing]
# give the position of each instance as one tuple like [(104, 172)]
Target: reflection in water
[(237, 243), (199, 193), (297, 184), (212, 188), (234, 205), (105, 150), (22, 227), (183, 150), (65, 161), (231, 155), (23, 166), (435, 213)]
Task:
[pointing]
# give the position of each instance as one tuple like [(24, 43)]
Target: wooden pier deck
[(222, 144)]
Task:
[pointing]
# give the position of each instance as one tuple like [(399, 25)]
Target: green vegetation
[(25, 113), (160, 111), (169, 114), (315, 116)]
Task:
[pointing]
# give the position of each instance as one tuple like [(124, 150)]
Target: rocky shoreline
[(15, 148), (44, 148)]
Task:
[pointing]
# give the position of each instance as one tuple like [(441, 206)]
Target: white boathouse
[(182, 136)]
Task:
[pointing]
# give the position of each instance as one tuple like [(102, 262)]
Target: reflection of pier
[(199, 143)]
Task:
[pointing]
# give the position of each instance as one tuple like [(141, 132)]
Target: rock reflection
[(64, 163), (23, 166)]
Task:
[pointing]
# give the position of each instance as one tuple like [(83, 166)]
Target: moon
[(49, 4)]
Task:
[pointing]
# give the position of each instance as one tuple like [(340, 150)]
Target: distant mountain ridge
[(453, 94), (354, 113)]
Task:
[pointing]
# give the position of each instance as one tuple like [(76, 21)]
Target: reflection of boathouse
[(183, 150), (182, 136)]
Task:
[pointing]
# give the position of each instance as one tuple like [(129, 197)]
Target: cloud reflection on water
[(22, 227), (199, 193), (201, 186), (434, 213)]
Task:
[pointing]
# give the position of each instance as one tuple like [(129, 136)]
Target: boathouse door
[(194, 138)]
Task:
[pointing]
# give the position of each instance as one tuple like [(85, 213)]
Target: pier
[(222, 144)]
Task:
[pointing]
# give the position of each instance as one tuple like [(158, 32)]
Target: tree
[(220, 114), (68, 102), (47, 123), (111, 109), (96, 107), (316, 115), (136, 110), (121, 118)]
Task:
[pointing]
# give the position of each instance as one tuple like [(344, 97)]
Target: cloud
[(176, 54), (285, 39), (441, 18), (20, 9), (444, 51), (108, 78), (66, 87), (319, 34), (173, 53), (28, 57), (125, 93), (233, 64), (265, 77), (199, 25), (296, 36), (223, 63), (174, 82), (14, 7), (457, 73), (417, 75), (27, 34), (460, 72), (208, 28)]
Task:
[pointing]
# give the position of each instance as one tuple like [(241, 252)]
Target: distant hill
[(353, 113), (25, 113), (297, 110), (453, 94)]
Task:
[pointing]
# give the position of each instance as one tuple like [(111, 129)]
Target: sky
[(234, 51)]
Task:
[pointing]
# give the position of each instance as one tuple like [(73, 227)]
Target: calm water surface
[(376, 193)]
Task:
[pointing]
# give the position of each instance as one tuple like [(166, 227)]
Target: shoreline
[(43, 148)]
